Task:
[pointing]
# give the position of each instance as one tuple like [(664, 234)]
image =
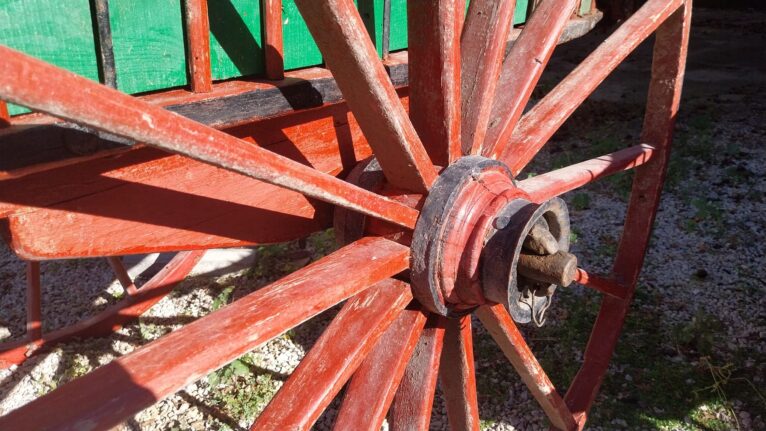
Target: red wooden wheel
[(474, 239)]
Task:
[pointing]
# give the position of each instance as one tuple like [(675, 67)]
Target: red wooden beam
[(198, 45), (668, 65), (40, 86), (434, 75), (111, 319), (458, 375), (349, 53), (523, 68), (554, 183), (334, 357), (273, 44), (500, 326), (411, 409), (374, 384), (114, 392), (547, 116), (482, 44), (5, 117)]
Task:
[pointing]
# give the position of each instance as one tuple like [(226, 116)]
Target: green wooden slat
[(372, 13), (236, 38), (148, 40), (299, 47), (585, 7), (59, 32)]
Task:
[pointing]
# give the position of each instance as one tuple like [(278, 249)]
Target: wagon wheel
[(473, 238), (137, 301)]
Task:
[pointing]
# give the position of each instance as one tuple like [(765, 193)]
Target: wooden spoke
[(273, 43), (198, 45), (411, 409), (334, 357), (34, 308), (670, 50), (110, 319), (540, 123), (116, 391), (122, 275), (482, 44), (434, 75), (555, 183), (38, 85), (505, 333), (607, 286), (374, 384), (523, 68), (349, 53), (457, 374)]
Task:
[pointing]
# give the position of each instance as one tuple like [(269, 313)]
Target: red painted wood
[(551, 184), (34, 308), (411, 408), (273, 44), (458, 376), (335, 356), (668, 65), (38, 85), (112, 318), (116, 391), (604, 285), (434, 75), (122, 275), (500, 326), (541, 122), (373, 386), (349, 53), (198, 45), (5, 118), (520, 73), (485, 34)]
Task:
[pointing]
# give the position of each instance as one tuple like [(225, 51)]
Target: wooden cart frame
[(429, 224)]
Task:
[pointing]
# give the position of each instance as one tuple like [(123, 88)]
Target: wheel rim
[(377, 320)]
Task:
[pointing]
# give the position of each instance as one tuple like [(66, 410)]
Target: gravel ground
[(693, 354)]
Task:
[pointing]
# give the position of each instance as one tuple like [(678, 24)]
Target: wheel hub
[(481, 239)]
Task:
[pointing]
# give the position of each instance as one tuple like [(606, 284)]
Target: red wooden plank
[(349, 53), (374, 384), (334, 357), (434, 75), (458, 376), (116, 391), (198, 45), (111, 319), (411, 409), (485, 34), (668, 65), (523, 68), (500, 326), (542, 121), (38, 85), (555, 183), (273, 44)]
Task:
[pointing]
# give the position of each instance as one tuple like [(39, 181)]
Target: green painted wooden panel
[(59, 32), (372, 13), (236, 38), (299, 47), (148, 40)]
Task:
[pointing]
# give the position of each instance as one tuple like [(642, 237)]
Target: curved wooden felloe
[(382, 340)]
